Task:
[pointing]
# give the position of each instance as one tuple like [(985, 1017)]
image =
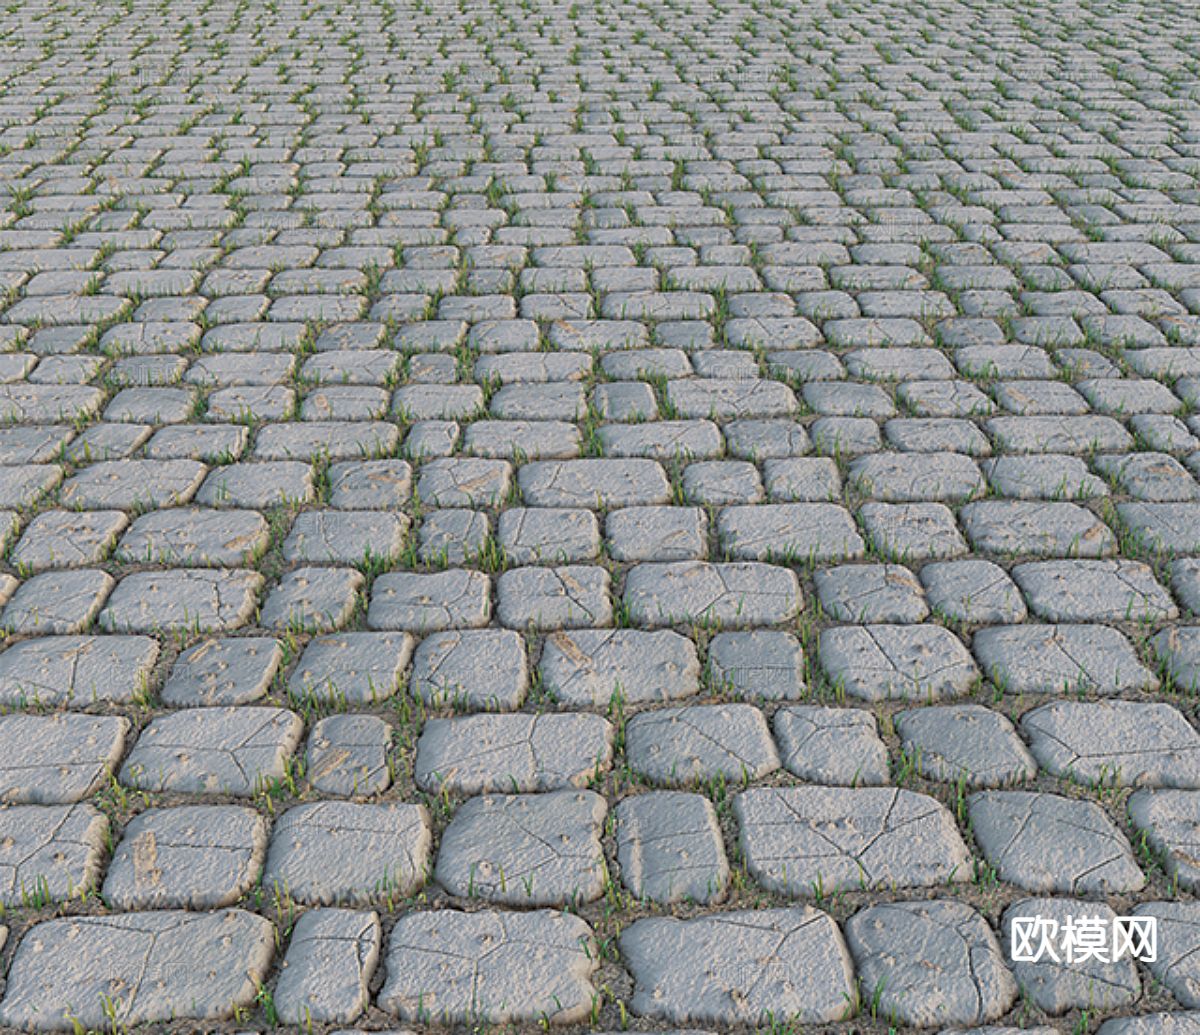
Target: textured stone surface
[(137, 967), (343, 852), (1046, 843), (194, 857), (525, 849), (479, 754), (669, 848), (407, 403), (754, 965), (450, 967), (328, 967), (808, 841), (930, 963), (57, 759), (49, 853)]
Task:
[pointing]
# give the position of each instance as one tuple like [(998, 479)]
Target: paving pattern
[(613, 515)]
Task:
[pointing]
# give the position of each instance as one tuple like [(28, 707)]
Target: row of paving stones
[(545, 849), (488, 669), (926, 963)]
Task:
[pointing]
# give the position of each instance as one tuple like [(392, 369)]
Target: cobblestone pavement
[(606, 515)]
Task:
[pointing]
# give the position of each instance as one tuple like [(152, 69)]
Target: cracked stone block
[(676, 747), (313, 599), (1169, 820), (1059, 659), (1094, 591), (1171, 527), (573, 596), (352, 537), (591, 667), (759, 665), (657, 533), (1178, 650), (972, 591), (57, 759), (930, 963), (430, 603), (593, 483), (195, 536), (1115, 743), (907, 662), (669, 848), (190, 600), (347, 853), (808, 841), (49, 853), (451, 967), (369, 484), (1013, 528), (126, 484), (789, 532), (1150, 476), (1056, 985), (235, 670), (326, 974), (548, 535), (193, 857), (61, 602), (908, 532), (454, 537), (729, 594), (870, 593), (353, 668), (1152, 1024), (730, 399), (234, 751), (482, 754), (75, 671), (464, 482), (917, 477), (838, 746), (1177, 965), (525, 849), (68, 539), (1044, 843), (472, 669), (718, 482), (348, 755), (740, 967), (965, 742), (137, 968), (802, 479), (1047, 477)]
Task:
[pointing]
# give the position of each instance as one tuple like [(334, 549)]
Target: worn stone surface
[(808, 841), (1046, 843), (139, 967), (669, 848), (525, 849), (407, 403), (500, 967), (344, 852), (931, 963), (330, 960), (799, 964), (57, 759), (481, 754), (49, 853), (193, 857)]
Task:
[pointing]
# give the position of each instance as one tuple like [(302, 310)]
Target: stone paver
[(137, 968), (326, 853), (808, 841), (525, 849), (453, 967), (411, 408), (930, 963), (799, 963)]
